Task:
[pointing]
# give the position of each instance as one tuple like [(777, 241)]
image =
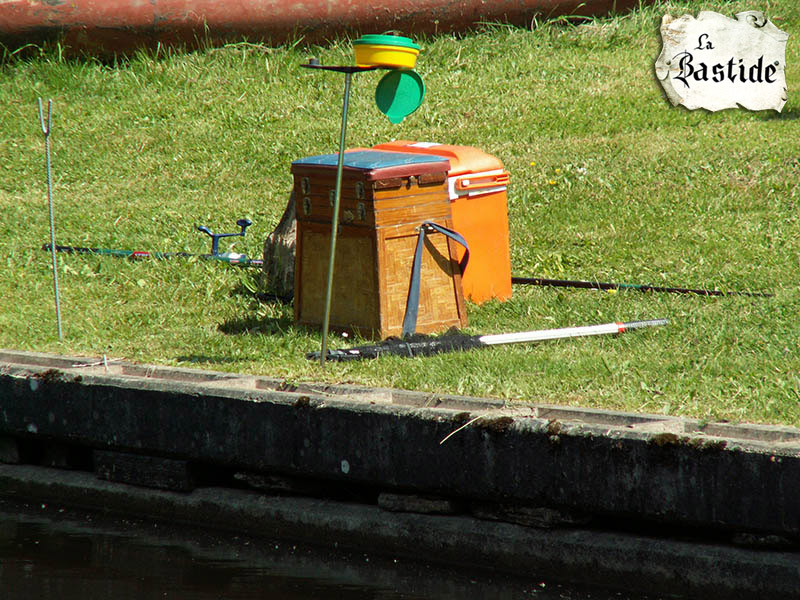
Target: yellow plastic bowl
[(373, 55)]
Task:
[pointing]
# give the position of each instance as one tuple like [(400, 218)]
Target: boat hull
[(103, 27)]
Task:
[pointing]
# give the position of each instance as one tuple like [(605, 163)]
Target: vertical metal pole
[(335, 221), (46, 132)]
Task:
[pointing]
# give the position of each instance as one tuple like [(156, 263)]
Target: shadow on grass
[(209, 360), (788, 115), (252, 324), (251, 290), (256, 321)]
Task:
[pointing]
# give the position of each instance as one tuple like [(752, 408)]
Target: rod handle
[(641, 324)]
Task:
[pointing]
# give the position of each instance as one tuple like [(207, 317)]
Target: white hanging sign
[(716, 62)]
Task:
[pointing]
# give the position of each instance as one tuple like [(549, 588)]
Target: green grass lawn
[(609, 182)]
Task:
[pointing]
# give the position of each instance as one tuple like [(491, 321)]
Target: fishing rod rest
[(243, 223)]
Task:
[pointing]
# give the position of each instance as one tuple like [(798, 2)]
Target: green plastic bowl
[(382, 39), (399, 93)]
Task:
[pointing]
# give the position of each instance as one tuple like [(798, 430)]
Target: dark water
[(48, 552)]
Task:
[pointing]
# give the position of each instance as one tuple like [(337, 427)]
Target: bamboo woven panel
[(354, 303), (439, 308)]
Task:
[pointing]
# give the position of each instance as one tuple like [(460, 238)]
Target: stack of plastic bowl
[(401, 91), (381, 50)]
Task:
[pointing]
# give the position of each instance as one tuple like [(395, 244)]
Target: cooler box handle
[(467, 183)]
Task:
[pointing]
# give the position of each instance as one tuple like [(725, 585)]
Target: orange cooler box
[(477, 185)]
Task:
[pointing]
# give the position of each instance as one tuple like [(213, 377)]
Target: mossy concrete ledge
[(580, 470), (671, 470)]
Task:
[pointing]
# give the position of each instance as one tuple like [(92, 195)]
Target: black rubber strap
[(412, 304)]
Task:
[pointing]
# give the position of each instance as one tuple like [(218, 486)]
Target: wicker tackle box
[(385, 197)]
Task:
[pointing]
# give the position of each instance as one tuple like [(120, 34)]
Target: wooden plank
[(317, 209), (408, 194), (412, 214), (357, 188), (385, 199)]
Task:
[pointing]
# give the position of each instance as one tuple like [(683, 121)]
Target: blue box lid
[(370, 160)]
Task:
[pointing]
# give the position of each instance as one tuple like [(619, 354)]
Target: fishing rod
[(228, 257), (232, 258), (421, 345), (597, 285)]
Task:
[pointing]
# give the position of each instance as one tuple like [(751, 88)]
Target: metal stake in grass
[(46, 132), (335, 219), (348, 76)]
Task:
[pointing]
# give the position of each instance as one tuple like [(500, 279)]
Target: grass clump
[(609, 183)]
